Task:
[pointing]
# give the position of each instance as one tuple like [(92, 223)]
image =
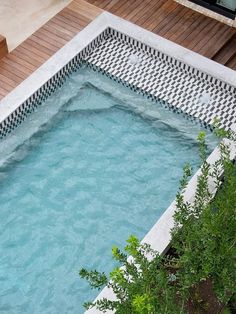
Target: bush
[(203, 242)]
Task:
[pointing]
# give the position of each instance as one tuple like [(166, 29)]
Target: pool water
[(93, 173)]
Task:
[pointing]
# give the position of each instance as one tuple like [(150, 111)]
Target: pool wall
[(165, 71)]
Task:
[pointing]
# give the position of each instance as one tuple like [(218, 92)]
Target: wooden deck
[(164, 17), (39, 47), (182, 25), (3, 47)]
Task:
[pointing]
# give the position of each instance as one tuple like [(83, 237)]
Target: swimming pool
[(94, 164)]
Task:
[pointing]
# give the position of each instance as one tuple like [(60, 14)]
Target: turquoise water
[(93, 173)]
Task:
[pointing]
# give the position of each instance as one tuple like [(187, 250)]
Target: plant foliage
[(203, 239)]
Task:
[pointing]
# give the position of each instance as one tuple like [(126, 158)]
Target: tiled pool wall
[(178, 86), (36, 99), (164, 78)]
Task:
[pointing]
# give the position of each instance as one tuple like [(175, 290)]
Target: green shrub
[(142, 285), (203, 239)]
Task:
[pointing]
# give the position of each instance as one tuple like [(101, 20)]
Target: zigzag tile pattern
[(179, 86)]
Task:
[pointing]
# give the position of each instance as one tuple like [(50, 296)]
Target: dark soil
[(202, 296), (203, 300)]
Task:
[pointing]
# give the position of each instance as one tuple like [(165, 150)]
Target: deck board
[(163, 17), (226, 53), (3, 46), (40, 46), (232, 63), (177, 23)]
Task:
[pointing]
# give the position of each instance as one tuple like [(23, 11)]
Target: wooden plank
[(14, 77), (71, 14), (164, 17), (12, 65), (40, 46), (157, 16), (232, 63), (84, 8), (30, 61), (125, 11), (207, 36), (203, 34), (227, 52), (44, 42), (4, 91), (182, 26), (105, 3), (41, 36), (173, 19), (67, 23), (57, 32), (114, 9), (57, 40), (18, 60), (3, 47), (4, 84), (73, 19), (33, 52), (217, 41), (4, 67), (133, 10), (58, 24), (148, 11), (36, 60), (38, 53), (109, 4), (8, 82), (170, 13), (191, 32)]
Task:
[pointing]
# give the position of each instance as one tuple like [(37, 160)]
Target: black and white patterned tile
[(176, 85), (35, 100), (181, 88)]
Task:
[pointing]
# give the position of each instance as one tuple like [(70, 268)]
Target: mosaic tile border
[(161, 77), (98, 55), (145, 93), (56, 81), (170, 59)]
